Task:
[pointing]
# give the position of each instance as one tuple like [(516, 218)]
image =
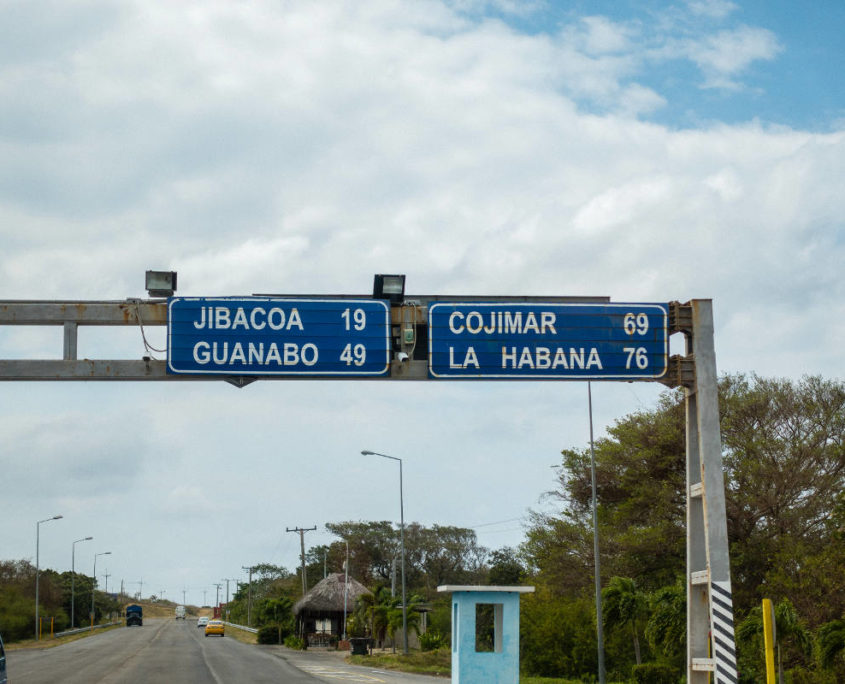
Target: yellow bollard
[(769, 637)]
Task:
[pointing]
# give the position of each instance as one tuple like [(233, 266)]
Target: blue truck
[(134, 615)]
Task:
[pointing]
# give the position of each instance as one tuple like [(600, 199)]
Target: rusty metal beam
[(128, 312), (680, 372), (154, 369), (680, 318)]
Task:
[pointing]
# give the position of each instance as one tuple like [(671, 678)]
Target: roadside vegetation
[(784, 461), (17, 601), (437, 662)]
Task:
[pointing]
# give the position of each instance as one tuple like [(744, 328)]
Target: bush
[(273, 634), (432, 640), (295, 643), (655, 673)]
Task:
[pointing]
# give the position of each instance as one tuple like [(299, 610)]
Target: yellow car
[(215, 627)]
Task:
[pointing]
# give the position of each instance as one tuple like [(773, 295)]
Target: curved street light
[(366, 452), (37, 567), (94, 583), (73, 577)]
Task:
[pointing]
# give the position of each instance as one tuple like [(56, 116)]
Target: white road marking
[(335, 673)]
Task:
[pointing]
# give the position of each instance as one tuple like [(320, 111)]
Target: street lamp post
[(94, 583), (596, 560), (37, 566), (402, 537), (73, 577), (345, 587)]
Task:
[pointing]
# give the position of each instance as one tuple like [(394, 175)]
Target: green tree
[(831, 640), (558, 635), (666, 629), (273, 611), (372, 547), (395, 617), (436, 555), (624, 605), (640, 481), (373, 611), (794, 640), (505, 568), (784, 455)]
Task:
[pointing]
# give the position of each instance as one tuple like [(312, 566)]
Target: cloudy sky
[(642, 150)]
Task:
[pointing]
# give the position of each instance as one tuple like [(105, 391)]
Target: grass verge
[(241, 635), (48, 642), (420, 662), (434, 663)]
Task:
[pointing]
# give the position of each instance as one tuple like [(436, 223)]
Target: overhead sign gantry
[(243, 339)]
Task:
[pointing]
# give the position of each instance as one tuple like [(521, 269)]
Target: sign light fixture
[(161, 283), (390, 287)]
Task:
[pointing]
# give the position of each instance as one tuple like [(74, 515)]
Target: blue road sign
[(277, 336), (548, 341)]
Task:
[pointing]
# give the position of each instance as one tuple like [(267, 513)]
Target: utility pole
[(227, 580), (302, 532), (183, 597), (140, 588), (107, 575), (217, 601), (248, 597), (204, 600)]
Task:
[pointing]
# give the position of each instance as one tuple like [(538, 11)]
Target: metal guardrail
[(79, 630), (243, 627)]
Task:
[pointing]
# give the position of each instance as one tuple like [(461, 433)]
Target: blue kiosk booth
[(485, 633)]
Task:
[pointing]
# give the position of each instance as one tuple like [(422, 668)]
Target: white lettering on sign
[(222, 353), (503, 322), (222, 318), (543, 358), (470, 359)]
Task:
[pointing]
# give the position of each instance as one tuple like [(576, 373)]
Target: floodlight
[(390, 287), (161, 283)]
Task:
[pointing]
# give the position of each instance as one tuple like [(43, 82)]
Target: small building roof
[(327, 595)]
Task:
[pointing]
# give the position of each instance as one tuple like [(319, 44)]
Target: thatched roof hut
[(320, 613), (327, 596)]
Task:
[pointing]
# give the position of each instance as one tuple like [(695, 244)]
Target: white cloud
[(603, 36), (725, 55), (714, 9), (301, 148)]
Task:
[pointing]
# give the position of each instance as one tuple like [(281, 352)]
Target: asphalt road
[(177, 652)]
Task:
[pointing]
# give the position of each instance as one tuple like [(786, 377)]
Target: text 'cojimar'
[(547, 340)]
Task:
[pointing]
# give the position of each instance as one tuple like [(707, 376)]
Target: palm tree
[(788, 628), (372, 609), (624, 604), (831, 641), (666, 629), (394, 618)]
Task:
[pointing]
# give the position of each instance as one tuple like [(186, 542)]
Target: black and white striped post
[(711, 646)]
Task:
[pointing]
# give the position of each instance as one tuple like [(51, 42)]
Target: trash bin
[(359, 646)]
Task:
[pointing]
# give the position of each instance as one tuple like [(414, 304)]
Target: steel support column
[(709, 597)]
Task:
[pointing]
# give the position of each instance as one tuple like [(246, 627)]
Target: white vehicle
[(180, 612), (202, 621)]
